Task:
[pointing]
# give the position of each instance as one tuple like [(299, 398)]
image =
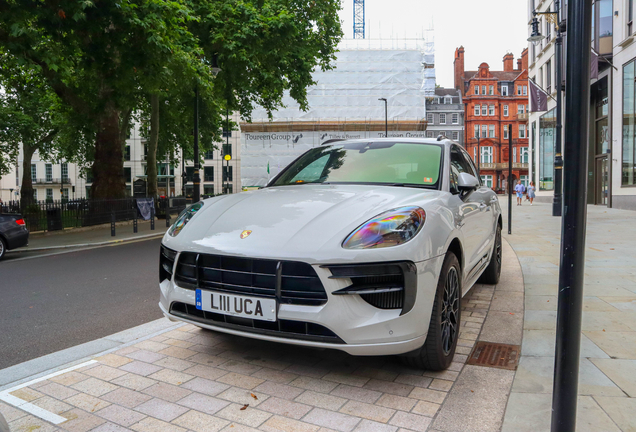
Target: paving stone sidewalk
[(607, 380), (198, 380)]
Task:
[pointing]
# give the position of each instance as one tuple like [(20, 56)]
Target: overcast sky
[(487, 29)]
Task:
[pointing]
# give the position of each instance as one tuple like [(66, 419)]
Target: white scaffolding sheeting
[(402, 71)]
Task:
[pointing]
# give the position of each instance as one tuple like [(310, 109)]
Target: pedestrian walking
[(531, 190), (519, 189)]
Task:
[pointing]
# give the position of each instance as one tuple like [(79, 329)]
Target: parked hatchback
[(13, 233)]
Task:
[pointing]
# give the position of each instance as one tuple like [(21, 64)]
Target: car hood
[(290, 221)]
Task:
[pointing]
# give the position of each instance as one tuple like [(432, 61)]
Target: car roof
[(440, 140)]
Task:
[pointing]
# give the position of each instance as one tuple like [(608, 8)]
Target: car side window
[(458, 165)]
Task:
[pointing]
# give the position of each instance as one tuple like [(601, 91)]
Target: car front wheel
[(3, 248), (493, 271), (443, 330)]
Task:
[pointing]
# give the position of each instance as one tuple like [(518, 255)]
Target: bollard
[(112, 224), (167, 219), (135, 221), (152, 217)]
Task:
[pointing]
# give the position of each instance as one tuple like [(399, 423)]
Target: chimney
[(507, 61), (459, 69), (524, 59)]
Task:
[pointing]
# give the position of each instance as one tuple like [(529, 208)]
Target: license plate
[(241, 306)]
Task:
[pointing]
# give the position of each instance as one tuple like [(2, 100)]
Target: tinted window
[(367, 162)]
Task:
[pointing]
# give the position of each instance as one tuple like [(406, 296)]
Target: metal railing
[(52, 215)]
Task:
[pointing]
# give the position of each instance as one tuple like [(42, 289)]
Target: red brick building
[(493, 100)]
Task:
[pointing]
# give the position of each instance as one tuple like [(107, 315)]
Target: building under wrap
[(344, 104)]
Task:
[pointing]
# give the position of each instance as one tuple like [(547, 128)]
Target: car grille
[(281, 328), (166, 263), (290, 282)]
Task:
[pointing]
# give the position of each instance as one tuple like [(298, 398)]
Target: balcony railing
[(502, 166), (523, 116), (51, 180)]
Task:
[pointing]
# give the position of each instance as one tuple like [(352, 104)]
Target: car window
[(458, 165), (392, 163)]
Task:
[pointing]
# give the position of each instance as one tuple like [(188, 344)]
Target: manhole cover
[(495, 355)]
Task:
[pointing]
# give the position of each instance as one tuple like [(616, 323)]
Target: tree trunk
[(152, 146), (108, 168), (26, 190)]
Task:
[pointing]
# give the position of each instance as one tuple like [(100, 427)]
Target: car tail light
[(20, 222)]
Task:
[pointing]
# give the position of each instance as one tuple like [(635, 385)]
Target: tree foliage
[(106, 59)]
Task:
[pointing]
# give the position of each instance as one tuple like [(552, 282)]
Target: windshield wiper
[(415, 185)]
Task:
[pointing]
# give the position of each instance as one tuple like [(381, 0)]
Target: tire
[(3, 248), (493, 271), (443, 331)]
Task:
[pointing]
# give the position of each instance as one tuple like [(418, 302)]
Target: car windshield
[(389, 163)]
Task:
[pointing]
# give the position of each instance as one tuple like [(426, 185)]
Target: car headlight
[(391, 228), (184, 218)]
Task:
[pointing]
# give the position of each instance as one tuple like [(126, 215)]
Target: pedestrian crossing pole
[(574, 219)]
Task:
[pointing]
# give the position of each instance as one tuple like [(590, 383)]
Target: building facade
[(496, 118), (54, 180), (611, 145), (445, 115)]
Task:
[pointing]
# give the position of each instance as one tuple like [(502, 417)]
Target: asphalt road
[(52, 302)]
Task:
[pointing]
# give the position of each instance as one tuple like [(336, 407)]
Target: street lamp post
[(536, 37), (386, 118)]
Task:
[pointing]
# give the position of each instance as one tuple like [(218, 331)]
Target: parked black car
[(13, 232)]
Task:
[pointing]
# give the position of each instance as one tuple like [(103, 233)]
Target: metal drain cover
[(495, 355)]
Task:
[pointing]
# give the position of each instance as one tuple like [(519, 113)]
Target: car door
[(470, 218)]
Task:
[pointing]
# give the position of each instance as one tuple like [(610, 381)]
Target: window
[(89, 176), (477, 90), (227, 133), (504, 88), (227, 149), (484, 131), (429, 134), (548, 28), (519, 90), (34, 172), (514, 154), (228, 188), (477, 109), (189, 174), (448, 100), (487, 180), (35, 194), (491, 110), (49, 194), (459, 163), (629, 125), (520, 108), (227, 174), (524, 180), (486, 154), (455, 136), (630, 16), (442, 118), (48, 170), (525, 90), (505, 110), (455, 118), (127, 153), (429, 118), (483, 90), (491, 90), (505, 132), (64, 169), (491, 131), (484, 110), (476, 131), (208, 189), (548, 76), (524, 155), (65, 194), (475, 154), (208, 155), (208, 174), (522, 131), (128, 174)]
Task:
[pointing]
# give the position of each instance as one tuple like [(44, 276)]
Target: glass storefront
[(629, 125), (547, 141)]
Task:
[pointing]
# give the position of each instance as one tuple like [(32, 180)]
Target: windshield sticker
[(428, 180)]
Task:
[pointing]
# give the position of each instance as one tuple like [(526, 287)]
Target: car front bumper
[(361, 328)]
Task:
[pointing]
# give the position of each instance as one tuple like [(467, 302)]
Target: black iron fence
[(57, 215)]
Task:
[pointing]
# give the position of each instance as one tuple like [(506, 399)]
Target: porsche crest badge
[(245, 234)]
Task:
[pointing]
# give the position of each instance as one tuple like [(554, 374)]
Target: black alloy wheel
[(443, 331), (3, 248)]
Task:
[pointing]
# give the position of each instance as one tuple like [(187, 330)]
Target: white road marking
[(5, 396)]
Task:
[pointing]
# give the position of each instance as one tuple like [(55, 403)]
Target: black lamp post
[(386, 118), (536, 37)]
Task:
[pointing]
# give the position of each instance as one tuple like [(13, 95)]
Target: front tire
[(443, 330), (3, 248), (493, 271)]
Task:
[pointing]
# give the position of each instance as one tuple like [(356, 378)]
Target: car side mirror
[(467, 183)]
